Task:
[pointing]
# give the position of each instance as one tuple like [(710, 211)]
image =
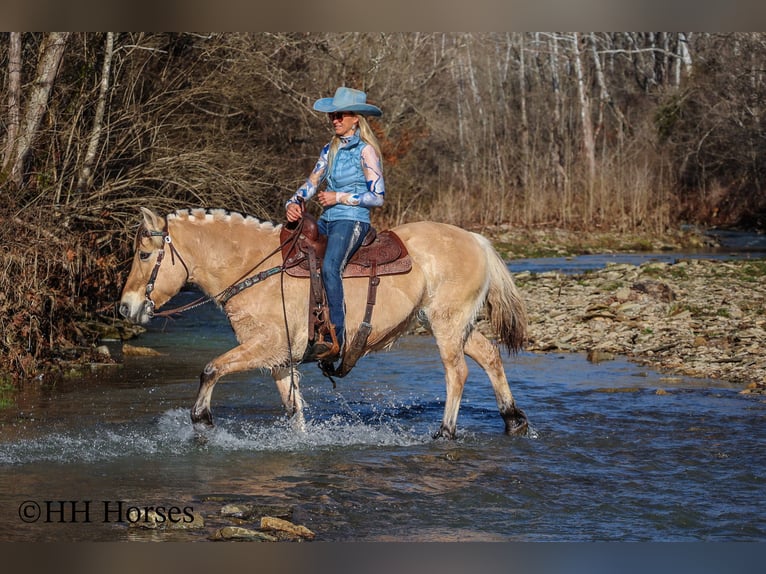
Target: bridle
[(166, 240)]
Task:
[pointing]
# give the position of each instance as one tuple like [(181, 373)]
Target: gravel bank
[(695, 317)]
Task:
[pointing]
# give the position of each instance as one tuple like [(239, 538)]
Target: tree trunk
[(683, 58), (525, 155), (14, 98), (51, 53), (85, 181), (557, 131), (605, 97), (589, 144)]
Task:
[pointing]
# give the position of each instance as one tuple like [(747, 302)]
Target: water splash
[(172, 433)]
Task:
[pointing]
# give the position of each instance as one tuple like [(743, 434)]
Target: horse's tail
[(506, 309)]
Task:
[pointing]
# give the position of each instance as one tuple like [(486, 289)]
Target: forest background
[(630, 133)]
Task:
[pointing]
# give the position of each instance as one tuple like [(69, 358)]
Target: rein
[(244, 282)]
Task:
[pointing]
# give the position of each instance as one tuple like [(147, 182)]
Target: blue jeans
[(343, 239)]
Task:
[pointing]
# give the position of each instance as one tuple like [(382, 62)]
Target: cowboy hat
[(347, 100)]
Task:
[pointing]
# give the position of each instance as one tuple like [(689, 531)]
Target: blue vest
[(346, 176)]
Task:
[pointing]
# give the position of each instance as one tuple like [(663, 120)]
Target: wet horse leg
[(488, 357), (247, 356), (200, 412), (289, 390), (455, 374)]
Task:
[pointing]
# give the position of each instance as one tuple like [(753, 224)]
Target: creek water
[(615, 451)]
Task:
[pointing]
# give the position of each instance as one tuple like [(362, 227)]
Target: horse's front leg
[(248, 356), (200, 413), (287, 381)]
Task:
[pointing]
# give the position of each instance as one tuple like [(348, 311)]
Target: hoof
[(203, 419), (445, 433), (516, 423)]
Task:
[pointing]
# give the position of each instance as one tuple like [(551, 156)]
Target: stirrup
[(325, 351), (332, 351)]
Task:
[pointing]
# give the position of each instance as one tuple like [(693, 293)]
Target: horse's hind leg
[(455, 374), (488, 357)]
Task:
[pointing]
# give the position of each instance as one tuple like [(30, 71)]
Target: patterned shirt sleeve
[(309, 188), (373, 175)]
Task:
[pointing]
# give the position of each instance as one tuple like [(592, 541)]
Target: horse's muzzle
[(140, 313)]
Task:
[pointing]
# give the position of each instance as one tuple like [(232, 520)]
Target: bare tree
[(85, 181), (14, 98), (586, 122), (556, 127), (525, 152), (50, 55)]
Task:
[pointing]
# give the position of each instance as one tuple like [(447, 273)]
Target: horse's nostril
[(124, 310)]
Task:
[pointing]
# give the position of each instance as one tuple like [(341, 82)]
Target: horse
[(455, 276)]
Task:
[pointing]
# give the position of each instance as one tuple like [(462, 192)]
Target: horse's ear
[(152, 221)]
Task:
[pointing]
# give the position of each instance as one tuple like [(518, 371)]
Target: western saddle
[(303, 248)]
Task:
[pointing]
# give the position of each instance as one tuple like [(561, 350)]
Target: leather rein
[(245, 281)]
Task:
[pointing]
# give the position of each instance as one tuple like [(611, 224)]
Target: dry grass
[(51, 278)]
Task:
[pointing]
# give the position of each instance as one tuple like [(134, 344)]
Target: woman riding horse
[(350, 166)]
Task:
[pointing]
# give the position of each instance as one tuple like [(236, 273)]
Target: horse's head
[(158, 272)]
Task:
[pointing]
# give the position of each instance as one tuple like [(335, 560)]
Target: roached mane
[(219, 214)]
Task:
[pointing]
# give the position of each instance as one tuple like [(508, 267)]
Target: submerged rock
[(246, 511), (151, 519), (240, 533), (134, 351)]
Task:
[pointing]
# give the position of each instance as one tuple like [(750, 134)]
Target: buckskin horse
[(454, 275)]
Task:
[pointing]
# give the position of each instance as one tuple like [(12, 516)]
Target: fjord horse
[(455, 275)]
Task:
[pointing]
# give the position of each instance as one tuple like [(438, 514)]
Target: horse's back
[(443, 249)]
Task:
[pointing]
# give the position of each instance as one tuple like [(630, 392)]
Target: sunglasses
[(339, 115)]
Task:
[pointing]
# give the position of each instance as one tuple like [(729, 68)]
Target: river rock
[(148, 518), (597, 356), (286, 527), (241, 511), (197, 523)]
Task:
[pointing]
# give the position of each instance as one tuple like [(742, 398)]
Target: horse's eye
[(144, 255)]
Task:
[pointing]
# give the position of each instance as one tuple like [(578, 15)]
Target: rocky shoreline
[(700, 318)]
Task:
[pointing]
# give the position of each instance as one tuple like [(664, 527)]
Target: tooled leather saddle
[(303, 248), (383, 250)]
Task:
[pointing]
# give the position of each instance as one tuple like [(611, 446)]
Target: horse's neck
[(219, 256)]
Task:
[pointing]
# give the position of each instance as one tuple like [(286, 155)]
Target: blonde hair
[(365, 133)]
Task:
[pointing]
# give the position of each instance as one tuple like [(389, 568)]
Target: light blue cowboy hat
[(347, 100)]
